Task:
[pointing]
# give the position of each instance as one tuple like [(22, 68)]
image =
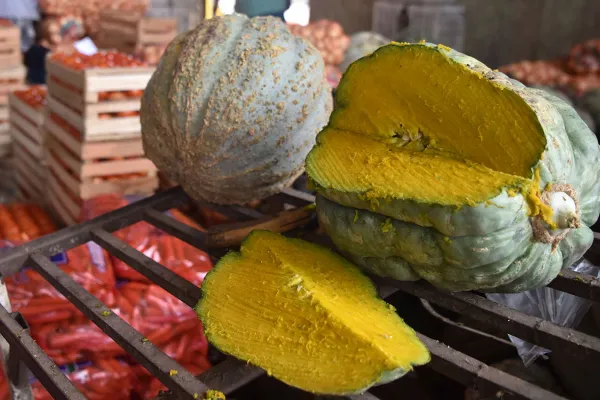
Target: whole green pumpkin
[(362, 44), (234, 107), (434, 166)]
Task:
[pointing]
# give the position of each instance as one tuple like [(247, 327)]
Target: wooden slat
[(97, 149), (84, 169), (34, 115), (94, 129), (67, 209)]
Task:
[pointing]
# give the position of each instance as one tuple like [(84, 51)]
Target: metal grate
[(22, 353)]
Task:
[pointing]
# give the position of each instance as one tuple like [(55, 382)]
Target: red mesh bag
[(165, 249), (29, 293)]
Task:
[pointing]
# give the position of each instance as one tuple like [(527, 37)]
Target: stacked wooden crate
[(28, 141), (147, 37), (12, 76), (94, 130)]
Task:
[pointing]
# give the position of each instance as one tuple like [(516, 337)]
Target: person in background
[(261, 8), (23, 13), (293, 11)]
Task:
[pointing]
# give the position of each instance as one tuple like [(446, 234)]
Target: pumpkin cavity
[(305, 315)]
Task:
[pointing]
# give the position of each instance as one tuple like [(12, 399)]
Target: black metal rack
[(22, 353)]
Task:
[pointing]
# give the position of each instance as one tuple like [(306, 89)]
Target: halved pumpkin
[(498, 181)]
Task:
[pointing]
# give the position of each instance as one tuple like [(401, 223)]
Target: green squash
[(362, 44), (305, 315), (433, 166), (234, 108)]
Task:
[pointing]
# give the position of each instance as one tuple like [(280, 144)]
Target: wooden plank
[(89, 170), (141, 185), (35, 148), (117, 79), (83, 169), (67, 209), (24, 181), (11, 59), (25, 127), (68, 180), (34, 115), (60, 209), (29, 166), (4, 113), (94, 150), (17, 72), (68, 75), (87, 190), (94, 80), (95, 128), (73, 100)]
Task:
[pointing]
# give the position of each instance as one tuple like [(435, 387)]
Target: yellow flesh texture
[(378, 170), (306, 316), (470, 138)]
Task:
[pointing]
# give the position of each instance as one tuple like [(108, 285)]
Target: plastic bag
[(163, 248), (29, 293), (558, 307)]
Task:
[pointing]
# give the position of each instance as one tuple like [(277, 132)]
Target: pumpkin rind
[(493, 245), (234, 107)]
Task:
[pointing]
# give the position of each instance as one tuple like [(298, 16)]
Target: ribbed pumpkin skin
[(489, 246), (234, 107), (362, 44)]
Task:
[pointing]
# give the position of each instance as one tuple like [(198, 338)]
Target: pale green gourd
[(494, 245), (234, 107)]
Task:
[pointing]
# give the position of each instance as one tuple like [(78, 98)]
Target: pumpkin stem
[(563, 202), (564, 211)]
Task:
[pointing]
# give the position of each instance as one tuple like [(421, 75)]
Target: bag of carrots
[(165, 321), (29, 293), (163, 248), (147, 386), (99, 380)]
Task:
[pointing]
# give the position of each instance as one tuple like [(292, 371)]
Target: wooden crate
[(86, 85), (27, 126), (5, 140), (11, 79), (91, 126), (31, 174), (134, 29), (85, 171), (10, 46), (73, 180), (88, 151), (75, 96)]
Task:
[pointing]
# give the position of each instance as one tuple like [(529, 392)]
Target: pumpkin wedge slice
[(305, 315)]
